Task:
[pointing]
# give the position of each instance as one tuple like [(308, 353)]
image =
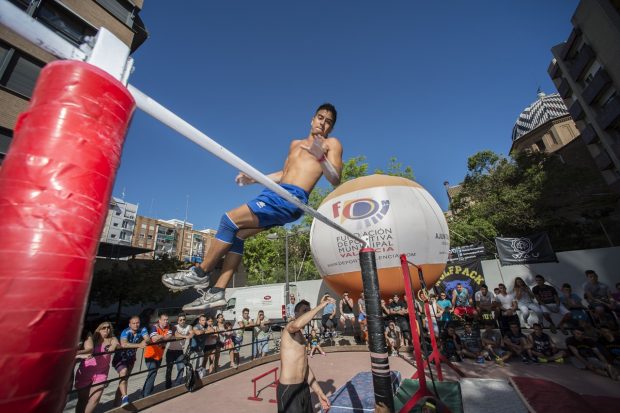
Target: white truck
[(270, 298)]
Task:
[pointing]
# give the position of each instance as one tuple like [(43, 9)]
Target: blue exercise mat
[(358, 394)]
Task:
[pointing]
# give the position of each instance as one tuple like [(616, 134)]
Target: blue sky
[(429, 82)]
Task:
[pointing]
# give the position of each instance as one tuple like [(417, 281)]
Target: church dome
[(545, 109)]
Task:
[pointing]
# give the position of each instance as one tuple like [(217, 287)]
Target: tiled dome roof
[(545, 109)]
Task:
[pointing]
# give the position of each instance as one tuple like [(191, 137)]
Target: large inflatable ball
[(396, 216)]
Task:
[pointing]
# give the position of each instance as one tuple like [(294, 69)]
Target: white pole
[(174, 122)]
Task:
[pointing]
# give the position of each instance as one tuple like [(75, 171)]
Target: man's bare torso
[(294, 363), (301, 168)]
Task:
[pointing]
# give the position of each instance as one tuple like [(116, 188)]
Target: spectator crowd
[(482, 326)]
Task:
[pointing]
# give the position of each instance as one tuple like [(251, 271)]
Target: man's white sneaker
[(182, 280), (208, 300)]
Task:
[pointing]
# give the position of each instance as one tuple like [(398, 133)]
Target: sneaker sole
[(216, 304), (185, 287)]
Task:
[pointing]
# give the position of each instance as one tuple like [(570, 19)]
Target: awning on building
[(107, 250)]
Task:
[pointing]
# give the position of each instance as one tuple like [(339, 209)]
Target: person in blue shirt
[(443, 309), (132, 338)]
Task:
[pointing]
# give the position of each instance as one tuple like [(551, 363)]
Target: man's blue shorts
[(272, 210)]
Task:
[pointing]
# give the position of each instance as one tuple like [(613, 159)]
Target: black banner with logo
[(467, 273), (530, 249)]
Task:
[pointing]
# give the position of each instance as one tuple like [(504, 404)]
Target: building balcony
[(581, 62), (589, 136), (609, 116), (576, 111), (603, 161), (597, 86), (564, 89), (574, 35)]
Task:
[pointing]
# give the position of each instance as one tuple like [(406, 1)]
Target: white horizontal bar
[(30, 29), (174, 122)]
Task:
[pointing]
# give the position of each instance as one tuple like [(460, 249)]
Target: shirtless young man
[(296, 377), (308, 159)]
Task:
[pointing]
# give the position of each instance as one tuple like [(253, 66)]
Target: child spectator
[(229, 343), (516, 342), (94, 368), (210, 346), (472, 346), (314, 343), (451, 346), (585, 355), (494, 344), (542, 348), (393, 338)]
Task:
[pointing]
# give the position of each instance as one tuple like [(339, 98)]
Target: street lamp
[(287, 234)]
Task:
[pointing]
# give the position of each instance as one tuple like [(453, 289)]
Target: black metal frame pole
[(380, 365)]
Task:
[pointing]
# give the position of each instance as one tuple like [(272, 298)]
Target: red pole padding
[(55, 186)]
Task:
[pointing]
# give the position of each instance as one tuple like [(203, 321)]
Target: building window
[(115, 224), (143, 226), (18, 71), (149, 237), (142, 235), (112, 235), (540, 146), (64, 22)]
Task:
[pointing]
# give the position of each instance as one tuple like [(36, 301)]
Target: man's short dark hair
[(330, 108), (163, 314), (513, 324), (590, 272), (181, 315), (484, 286), (536, 325), (245, 309), (300, 304), (539, 276), (567, 285)]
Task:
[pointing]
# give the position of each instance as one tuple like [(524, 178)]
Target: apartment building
[(120, 222), (22, 61), (586, 72)]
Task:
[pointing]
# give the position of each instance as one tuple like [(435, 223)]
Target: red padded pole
[(55, 186)]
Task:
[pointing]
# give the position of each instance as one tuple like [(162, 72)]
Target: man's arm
[(332, 163), (314, 384), (305, 318), (242, 179)]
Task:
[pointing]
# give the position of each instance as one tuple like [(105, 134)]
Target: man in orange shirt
[(153, 353)]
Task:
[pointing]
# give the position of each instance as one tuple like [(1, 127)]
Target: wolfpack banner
[(467, 273), (531, 249)]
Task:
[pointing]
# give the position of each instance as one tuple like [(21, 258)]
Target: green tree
[(530, 192), (264, 259)]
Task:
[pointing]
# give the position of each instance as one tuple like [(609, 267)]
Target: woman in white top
[(525, 301)]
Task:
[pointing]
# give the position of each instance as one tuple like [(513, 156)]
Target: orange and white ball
[(397, 216)]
